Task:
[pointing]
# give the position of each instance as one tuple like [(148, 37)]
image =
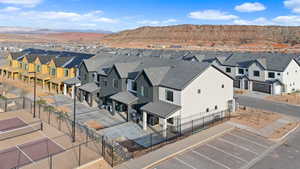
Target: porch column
[(65, 89), (164, 127), (145, 121), (73, 92), (113, 107), (129, 110)]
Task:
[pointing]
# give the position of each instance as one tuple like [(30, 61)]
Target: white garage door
[(277, 89)]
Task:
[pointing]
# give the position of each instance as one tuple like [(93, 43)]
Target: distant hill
[(27, 30), (206, 35)]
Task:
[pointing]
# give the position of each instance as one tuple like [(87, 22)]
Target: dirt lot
[(284, 130), (293, 98), (255, 118)]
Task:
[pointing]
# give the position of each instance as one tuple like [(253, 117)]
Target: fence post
[(23, 102), (192, 126), (112, 155), (5, 106), (42, 126), (103, 147), (50, 163), (39, 111), (49, 117), (151, 142), (79, 162)]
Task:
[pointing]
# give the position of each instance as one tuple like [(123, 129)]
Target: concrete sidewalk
[(173, 149)]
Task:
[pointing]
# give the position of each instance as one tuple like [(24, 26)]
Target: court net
[(29, 128)]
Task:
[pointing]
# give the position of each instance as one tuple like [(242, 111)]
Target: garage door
[(261, 87)]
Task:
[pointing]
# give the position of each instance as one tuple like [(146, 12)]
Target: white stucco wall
[(212, 94), (256, 67), (176, 95), (291, 77)]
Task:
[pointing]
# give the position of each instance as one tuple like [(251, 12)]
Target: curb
[(288, 133), (190, 147)]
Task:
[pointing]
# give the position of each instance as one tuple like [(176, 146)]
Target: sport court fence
[(87, 147)]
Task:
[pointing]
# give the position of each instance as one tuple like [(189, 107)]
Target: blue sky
[(128, 14)]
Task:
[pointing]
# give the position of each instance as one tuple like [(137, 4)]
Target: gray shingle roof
[(72, 81), (89, 87), (124, 97), (161, 109)]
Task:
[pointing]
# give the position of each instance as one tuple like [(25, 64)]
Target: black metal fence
[(121, 151), (113, 151)]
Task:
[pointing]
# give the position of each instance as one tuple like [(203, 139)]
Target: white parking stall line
[(183, 162), (218, 149), (250, 141), (210, 159), (244, 148)]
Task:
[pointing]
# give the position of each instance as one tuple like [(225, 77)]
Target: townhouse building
[(157, 91), (50, 68), (272, 73)]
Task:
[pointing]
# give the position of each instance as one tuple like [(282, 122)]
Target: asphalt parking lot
[(233, 150)]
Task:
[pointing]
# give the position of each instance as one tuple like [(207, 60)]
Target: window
[(115, 83), (21, 65), (278, 74), (38, 68), (287, 73), (142, 91), (216, 107), (207, 110), (241, 71), (228, 70), (223, 86), (199, 91), (10, 63), (170, 120), (169, 95), (66, 73), (271, 75), (256, 73), (133, 86), (104, 82), (53, 71), (98, 78)]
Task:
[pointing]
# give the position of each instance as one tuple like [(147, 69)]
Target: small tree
[(49, 109), (61, 116)]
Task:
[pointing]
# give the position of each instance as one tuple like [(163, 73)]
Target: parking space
[(230, 151)]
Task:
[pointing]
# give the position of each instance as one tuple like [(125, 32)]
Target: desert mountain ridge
[(231, 37)]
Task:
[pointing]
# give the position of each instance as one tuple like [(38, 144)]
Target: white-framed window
[(142, 91), (115, 83), (256, 73), (169, 95), (241, 71), (228, 69), (271, 75)]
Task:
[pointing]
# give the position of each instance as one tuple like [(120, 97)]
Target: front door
[(246, 84)]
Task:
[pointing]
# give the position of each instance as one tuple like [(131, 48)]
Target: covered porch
[(160, 113), (123, 102), (56, 85), (9, 72), (88, 93), (69, 86), (42, 80)]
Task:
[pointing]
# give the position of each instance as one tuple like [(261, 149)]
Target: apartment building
[(155, 90), (52, 68), (272, 73)]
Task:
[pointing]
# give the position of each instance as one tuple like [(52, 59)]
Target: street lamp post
[(34, 95), (74, 114)]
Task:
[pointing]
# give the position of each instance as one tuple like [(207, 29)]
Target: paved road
[(286, 156), (259, 103)]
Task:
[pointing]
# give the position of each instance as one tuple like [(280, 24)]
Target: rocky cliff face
[(202, 35)]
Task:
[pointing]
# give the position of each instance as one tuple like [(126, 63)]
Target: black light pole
[(74, 114), (34, 95)]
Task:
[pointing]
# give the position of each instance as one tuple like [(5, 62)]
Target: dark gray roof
[(89, 87), (124, 97), (156, 74), (61, 58), (161, 109), (72, 81)]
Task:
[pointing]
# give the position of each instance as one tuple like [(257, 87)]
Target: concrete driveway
[(260, 103)]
